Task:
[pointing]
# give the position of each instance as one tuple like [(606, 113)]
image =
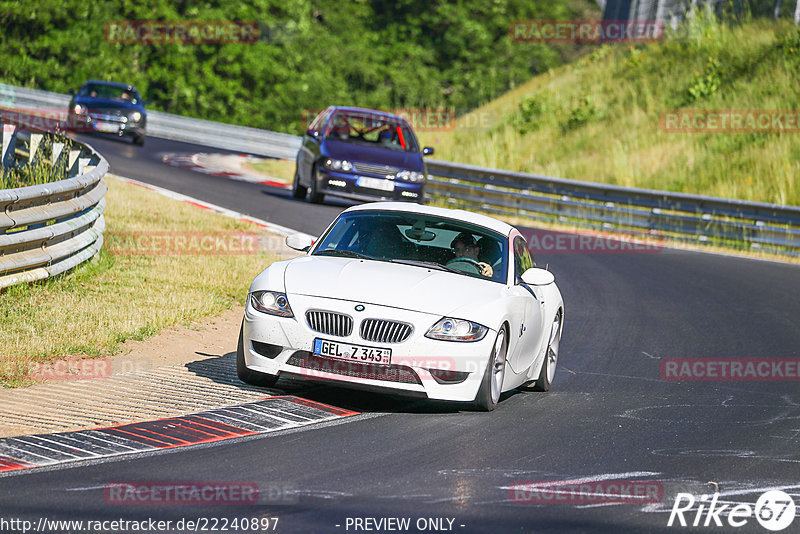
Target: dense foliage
[(312, 53)]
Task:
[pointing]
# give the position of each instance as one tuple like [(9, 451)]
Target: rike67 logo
[(774, 510)]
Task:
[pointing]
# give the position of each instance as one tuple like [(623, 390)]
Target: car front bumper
[(348, 185), (108, 124), (420, 366)]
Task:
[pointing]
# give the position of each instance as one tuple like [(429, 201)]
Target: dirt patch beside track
[(180, 370)]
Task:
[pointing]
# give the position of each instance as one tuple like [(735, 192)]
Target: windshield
[(420, 240), (372, 129), (109, 92)]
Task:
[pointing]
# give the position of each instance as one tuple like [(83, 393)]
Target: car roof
[(112, 84), (350, 109), (461, 215)]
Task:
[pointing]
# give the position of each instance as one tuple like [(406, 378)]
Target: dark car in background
[(360, 154), (108, 107)]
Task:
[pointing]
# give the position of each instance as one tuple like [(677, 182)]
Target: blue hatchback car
[(108, 107), (360, 154)]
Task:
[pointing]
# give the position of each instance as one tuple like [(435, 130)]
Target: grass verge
[(91, 310), (599, 118), (280, 170)]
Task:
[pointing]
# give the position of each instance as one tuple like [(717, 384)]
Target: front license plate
[(375, 183), (352, 353), (107, 127)]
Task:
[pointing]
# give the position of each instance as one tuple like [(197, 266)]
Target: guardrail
[(683, 217), (49, 228), (169, 125), (679, 216)]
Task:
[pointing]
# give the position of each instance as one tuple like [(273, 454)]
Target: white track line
[(272, 227)]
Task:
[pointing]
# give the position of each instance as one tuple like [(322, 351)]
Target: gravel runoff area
[(178, 371)]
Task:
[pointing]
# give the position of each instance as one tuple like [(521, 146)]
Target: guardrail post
[(58, 147), (57, 156), (83, 164), (8, 154), (33, 146), (90, 164), (73, 163)]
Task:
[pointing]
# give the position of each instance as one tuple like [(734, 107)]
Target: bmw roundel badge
[(359, 307)]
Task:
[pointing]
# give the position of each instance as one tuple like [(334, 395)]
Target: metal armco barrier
[(169, 125), (50, 228), (681, 216), (678, 216)]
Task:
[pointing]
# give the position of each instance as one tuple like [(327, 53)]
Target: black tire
[(248, 376), (298, 191), (138, 140), (544, 382), (315, 197), (485, 400)]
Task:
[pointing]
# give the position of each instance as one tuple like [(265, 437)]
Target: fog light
[(409, 194), (337, 183)]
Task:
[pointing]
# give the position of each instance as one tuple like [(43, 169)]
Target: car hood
[(367, 154), (388, 284), (107, 103)]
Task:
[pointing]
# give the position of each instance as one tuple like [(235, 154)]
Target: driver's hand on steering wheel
[(486, 269)]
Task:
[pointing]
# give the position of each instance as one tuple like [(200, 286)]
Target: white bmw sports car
[(408, 299)]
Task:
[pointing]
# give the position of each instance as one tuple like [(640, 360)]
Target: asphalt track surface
[(609, 416)]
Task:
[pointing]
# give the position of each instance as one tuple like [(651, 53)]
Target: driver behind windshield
[(466, 250), (340, 129)]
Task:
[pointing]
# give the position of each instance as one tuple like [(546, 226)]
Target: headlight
[(411, 176), (271, 302), (78, 109), (135, 116), (337, 165), (449, 329)]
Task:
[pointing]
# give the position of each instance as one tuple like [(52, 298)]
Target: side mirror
[(312, 133), (301, 242), (427, 151), (538, 277)]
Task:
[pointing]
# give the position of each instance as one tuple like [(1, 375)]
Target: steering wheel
[(468, 261)]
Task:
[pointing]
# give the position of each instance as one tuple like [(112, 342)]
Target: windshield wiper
[(427, 264), (344, 254)]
